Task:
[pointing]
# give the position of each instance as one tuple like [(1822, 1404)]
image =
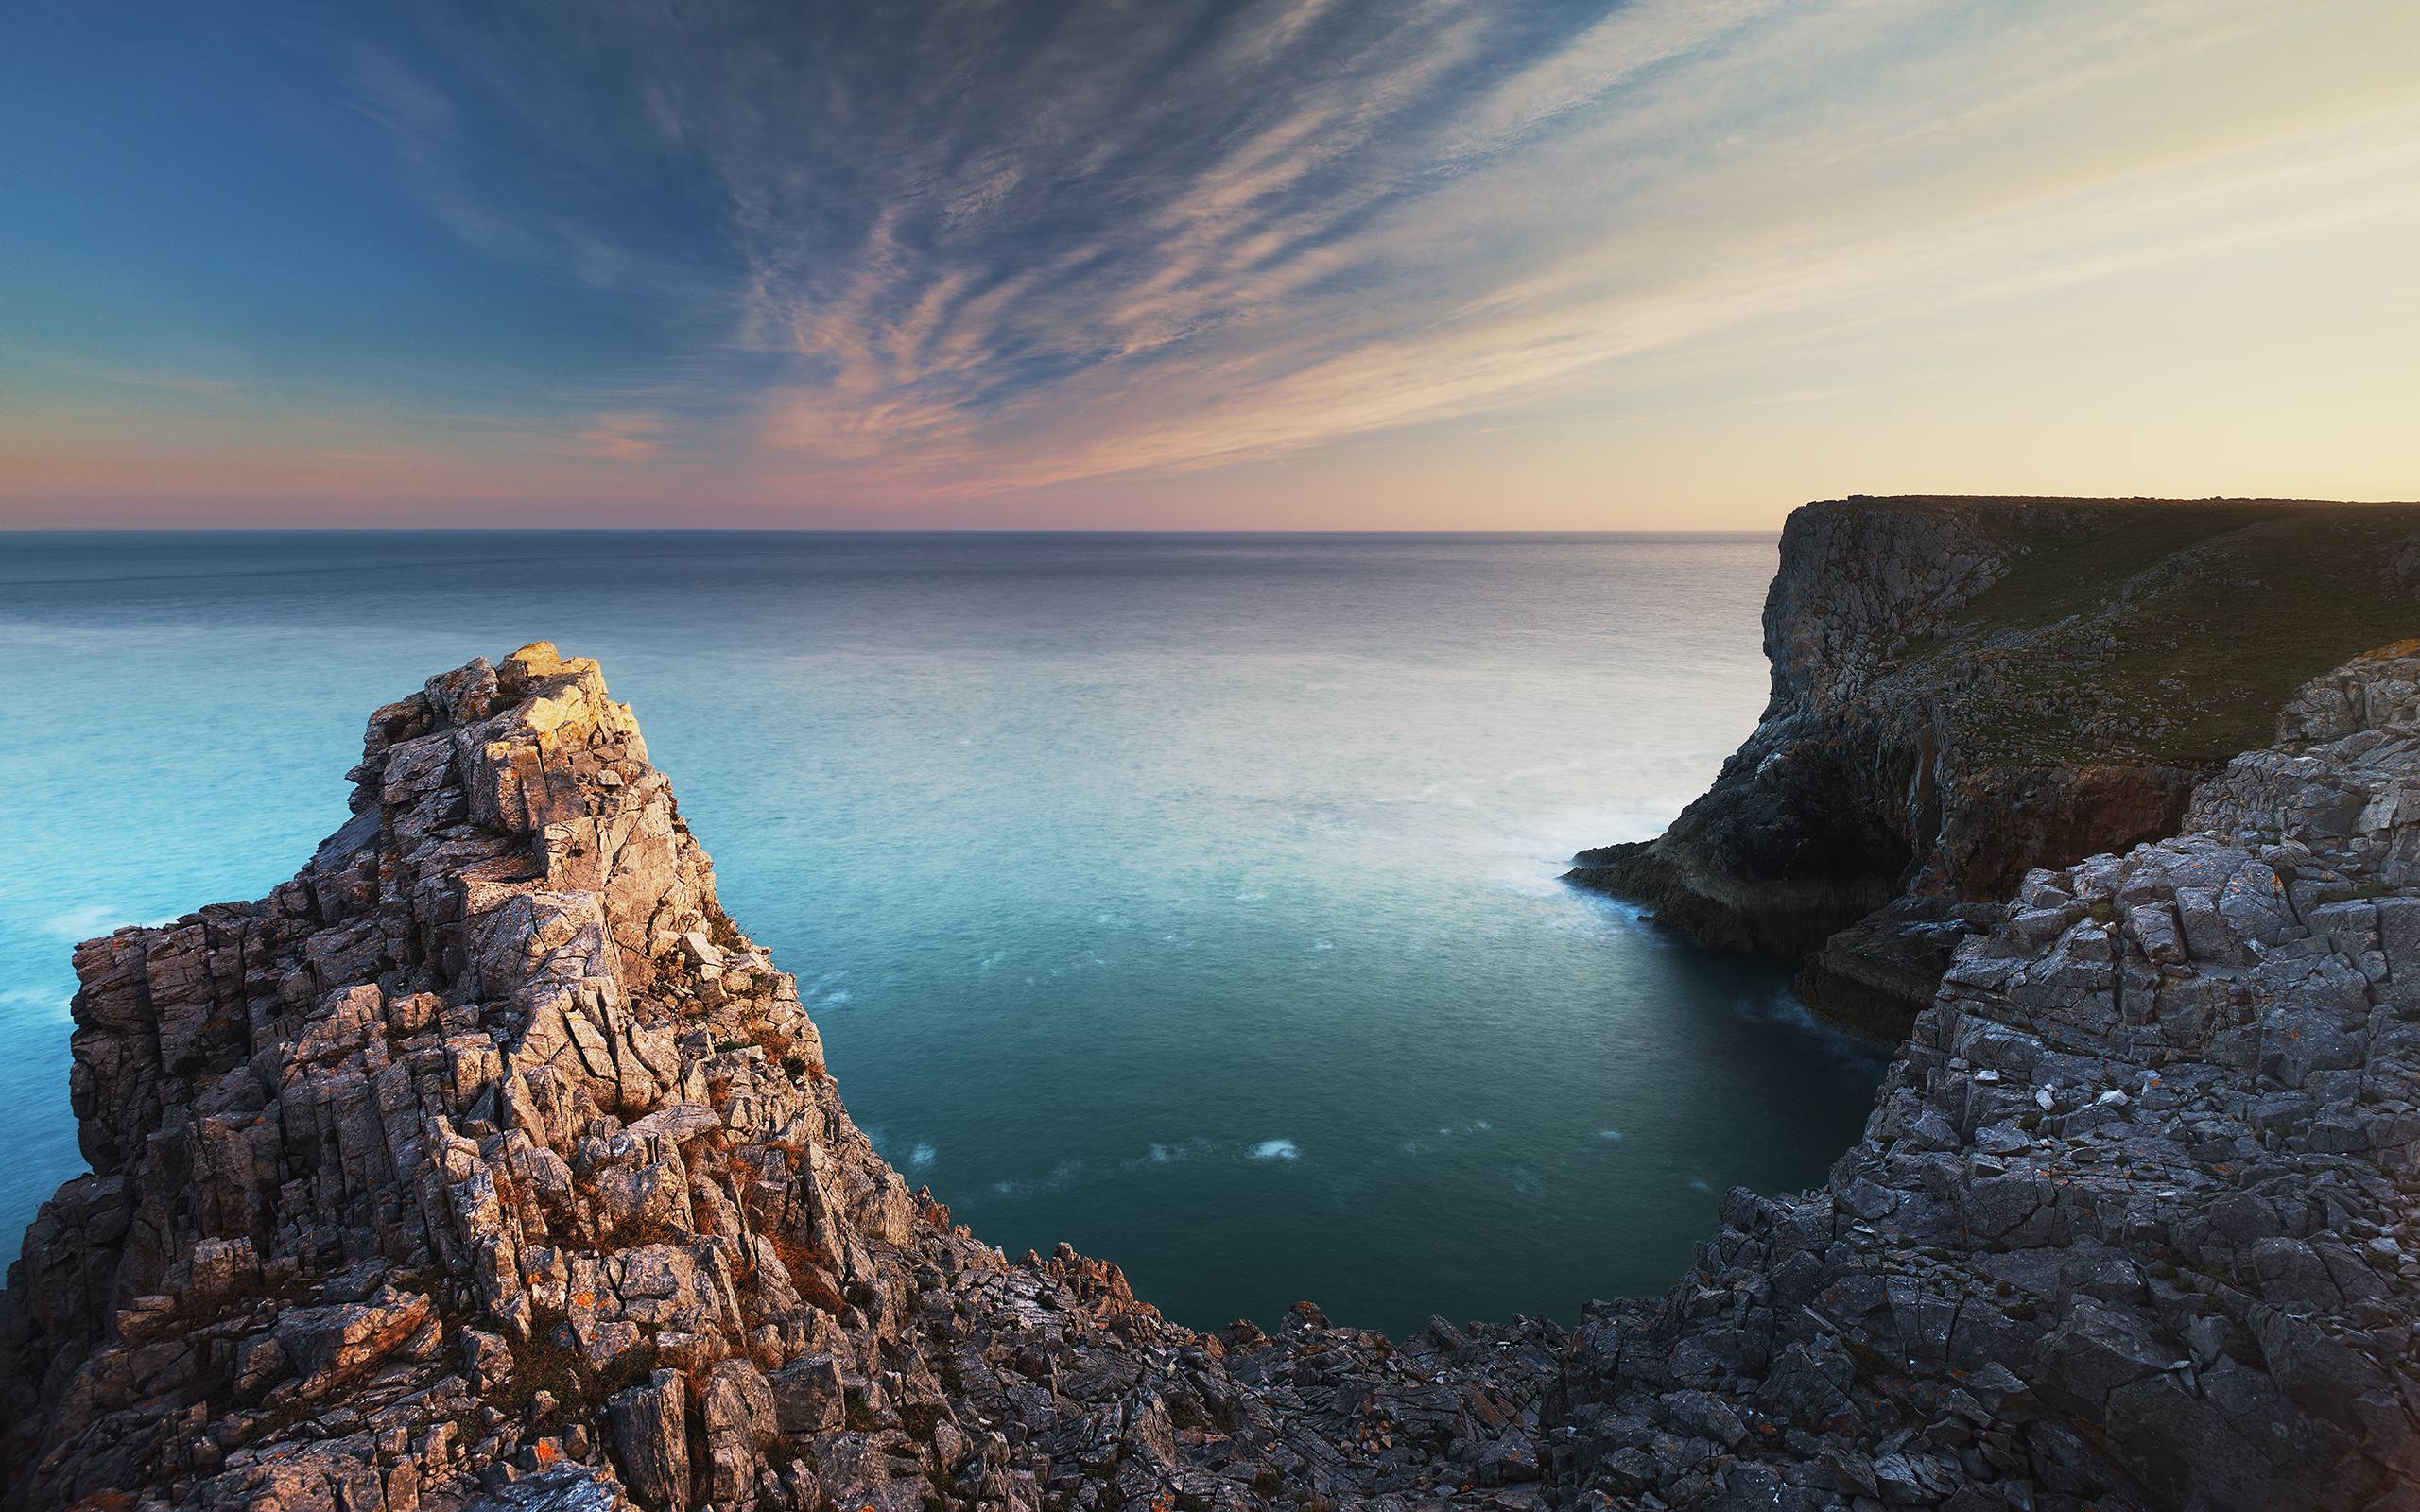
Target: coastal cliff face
[(1965, 689), (487, 1164)]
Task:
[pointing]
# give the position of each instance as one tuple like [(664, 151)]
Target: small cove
[(1191, 899)]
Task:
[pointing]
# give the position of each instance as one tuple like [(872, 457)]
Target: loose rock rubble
[(487, 1164)]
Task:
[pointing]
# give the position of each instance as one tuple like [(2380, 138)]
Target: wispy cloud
[(991, 246), (623, 437)]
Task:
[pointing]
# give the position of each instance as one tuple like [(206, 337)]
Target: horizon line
[(364, 529), (818, 530)]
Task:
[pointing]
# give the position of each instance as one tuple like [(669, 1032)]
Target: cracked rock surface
[(487, 1164)]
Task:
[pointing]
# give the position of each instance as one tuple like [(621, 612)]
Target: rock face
[(486, 1164), (487, 1158), (1965, 689)]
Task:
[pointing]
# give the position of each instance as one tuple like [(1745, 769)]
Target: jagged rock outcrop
[(1965, 689), (487, 1158), (487, 1164)]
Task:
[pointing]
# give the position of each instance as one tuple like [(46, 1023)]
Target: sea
[(1193, 899)]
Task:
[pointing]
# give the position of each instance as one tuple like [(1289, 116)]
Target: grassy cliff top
[(2169, 630)]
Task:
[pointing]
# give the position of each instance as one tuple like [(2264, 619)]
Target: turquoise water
[(1191, 899)]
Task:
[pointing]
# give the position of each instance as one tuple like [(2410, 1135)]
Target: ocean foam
[(1173, 1154)]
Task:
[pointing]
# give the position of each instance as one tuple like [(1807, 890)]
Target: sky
[(1197, 264)]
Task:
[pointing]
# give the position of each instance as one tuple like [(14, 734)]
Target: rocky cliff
[(487, 1158), (1965, 689), (2134, 1221), (487, 1164)]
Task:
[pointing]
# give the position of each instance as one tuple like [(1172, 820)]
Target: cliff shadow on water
[(1965, 689)]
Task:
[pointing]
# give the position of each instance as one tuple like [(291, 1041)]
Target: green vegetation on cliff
[(2172, 631)]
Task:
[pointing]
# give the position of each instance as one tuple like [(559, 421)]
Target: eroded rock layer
[(487, 1164)]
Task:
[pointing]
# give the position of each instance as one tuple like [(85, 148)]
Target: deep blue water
[(1192, 899)]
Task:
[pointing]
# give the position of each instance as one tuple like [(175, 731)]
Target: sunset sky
[(1247, 264)]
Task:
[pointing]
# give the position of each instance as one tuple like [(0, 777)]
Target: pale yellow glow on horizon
[(2164, 249)]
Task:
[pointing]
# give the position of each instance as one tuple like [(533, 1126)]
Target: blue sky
[(1236, 262)]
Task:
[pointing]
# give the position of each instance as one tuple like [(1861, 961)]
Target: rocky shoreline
[(487, 1164)]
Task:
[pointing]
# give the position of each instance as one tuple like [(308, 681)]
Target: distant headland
[(1967, 688)]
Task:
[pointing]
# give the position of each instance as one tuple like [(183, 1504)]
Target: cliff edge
[(1965, 689)]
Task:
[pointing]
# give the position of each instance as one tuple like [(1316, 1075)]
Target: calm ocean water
[(1192, 899)]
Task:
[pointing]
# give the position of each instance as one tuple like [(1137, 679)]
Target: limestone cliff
[(487, 1164), (1964, 689)]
